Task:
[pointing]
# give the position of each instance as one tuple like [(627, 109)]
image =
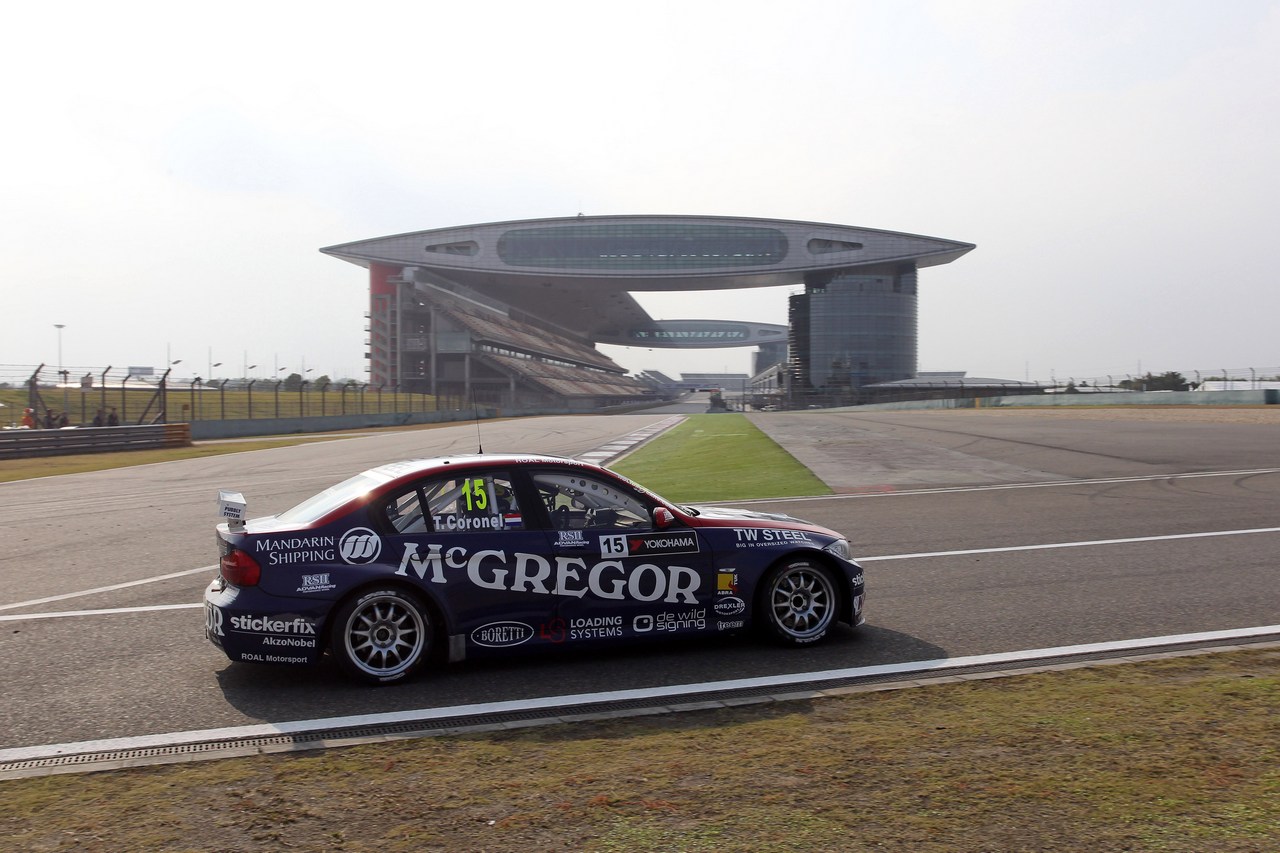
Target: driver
[(503, 498)]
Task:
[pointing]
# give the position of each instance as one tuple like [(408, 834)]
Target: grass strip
[(721, 457), (1181, 754), (49, 466), (52, 466)]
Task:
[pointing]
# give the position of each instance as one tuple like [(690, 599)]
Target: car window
[(576, 502), (405, 513), (476, 502), (317, 506)]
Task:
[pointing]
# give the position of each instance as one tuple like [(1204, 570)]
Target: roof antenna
[(476, 406)]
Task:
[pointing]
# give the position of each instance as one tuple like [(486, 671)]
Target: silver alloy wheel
[(385, 635), (801, 602)]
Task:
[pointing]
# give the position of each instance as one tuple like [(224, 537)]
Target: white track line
[(421, 715), (631, 438), (890, 492), (883, 558), (23, 617), (1150, 478), (1068, 544), (33, 602)]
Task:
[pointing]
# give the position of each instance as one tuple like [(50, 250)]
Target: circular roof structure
[(646, 253), (580, 271)]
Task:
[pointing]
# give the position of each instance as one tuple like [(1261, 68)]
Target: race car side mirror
[(662, 517)]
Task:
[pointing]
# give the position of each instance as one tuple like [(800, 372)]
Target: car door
[(615, 574), (463, 538)]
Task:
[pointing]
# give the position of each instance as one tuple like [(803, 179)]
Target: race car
[(449, 558)]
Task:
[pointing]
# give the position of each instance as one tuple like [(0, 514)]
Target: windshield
[(315, 508)]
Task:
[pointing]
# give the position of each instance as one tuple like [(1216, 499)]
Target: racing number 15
[(477, 497)]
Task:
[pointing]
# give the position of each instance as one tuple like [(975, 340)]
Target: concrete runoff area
[(855, 452)]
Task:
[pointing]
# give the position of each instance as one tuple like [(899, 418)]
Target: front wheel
[(799, 603), (381, 636)]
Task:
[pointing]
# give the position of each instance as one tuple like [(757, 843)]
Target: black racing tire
[(381, 636), (798, 603)]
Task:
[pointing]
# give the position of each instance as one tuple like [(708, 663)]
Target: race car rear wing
[(231, 506)]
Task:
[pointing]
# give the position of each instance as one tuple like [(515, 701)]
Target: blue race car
[(466, 555)]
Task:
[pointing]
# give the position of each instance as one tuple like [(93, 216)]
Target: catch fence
[(109, 397)]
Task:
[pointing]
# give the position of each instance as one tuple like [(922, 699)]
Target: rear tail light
[(238, 568)]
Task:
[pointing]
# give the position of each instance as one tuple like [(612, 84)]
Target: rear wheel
[(799, 603), (381, 636)]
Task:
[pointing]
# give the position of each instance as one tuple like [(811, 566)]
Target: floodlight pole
[(61, 378)]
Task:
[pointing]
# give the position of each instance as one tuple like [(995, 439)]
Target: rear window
[(317, 507)]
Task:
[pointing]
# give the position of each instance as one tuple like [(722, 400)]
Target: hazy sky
[(171, 169)]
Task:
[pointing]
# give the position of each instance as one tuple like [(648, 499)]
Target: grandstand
[(509, 313)]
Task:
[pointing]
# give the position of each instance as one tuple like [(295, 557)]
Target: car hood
[(732, 513)]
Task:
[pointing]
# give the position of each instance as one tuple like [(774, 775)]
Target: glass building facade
[(850, 329), (642, 246)]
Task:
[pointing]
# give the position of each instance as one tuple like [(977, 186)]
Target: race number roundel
[(359, 545)]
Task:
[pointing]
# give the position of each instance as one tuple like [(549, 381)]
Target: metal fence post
[(195, 412), (104, 389)]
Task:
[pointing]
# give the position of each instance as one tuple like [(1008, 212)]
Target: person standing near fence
[(113, 419)]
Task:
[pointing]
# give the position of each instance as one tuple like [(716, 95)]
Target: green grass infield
[(718, 458)]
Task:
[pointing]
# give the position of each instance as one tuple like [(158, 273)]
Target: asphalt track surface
[(982, 532)]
